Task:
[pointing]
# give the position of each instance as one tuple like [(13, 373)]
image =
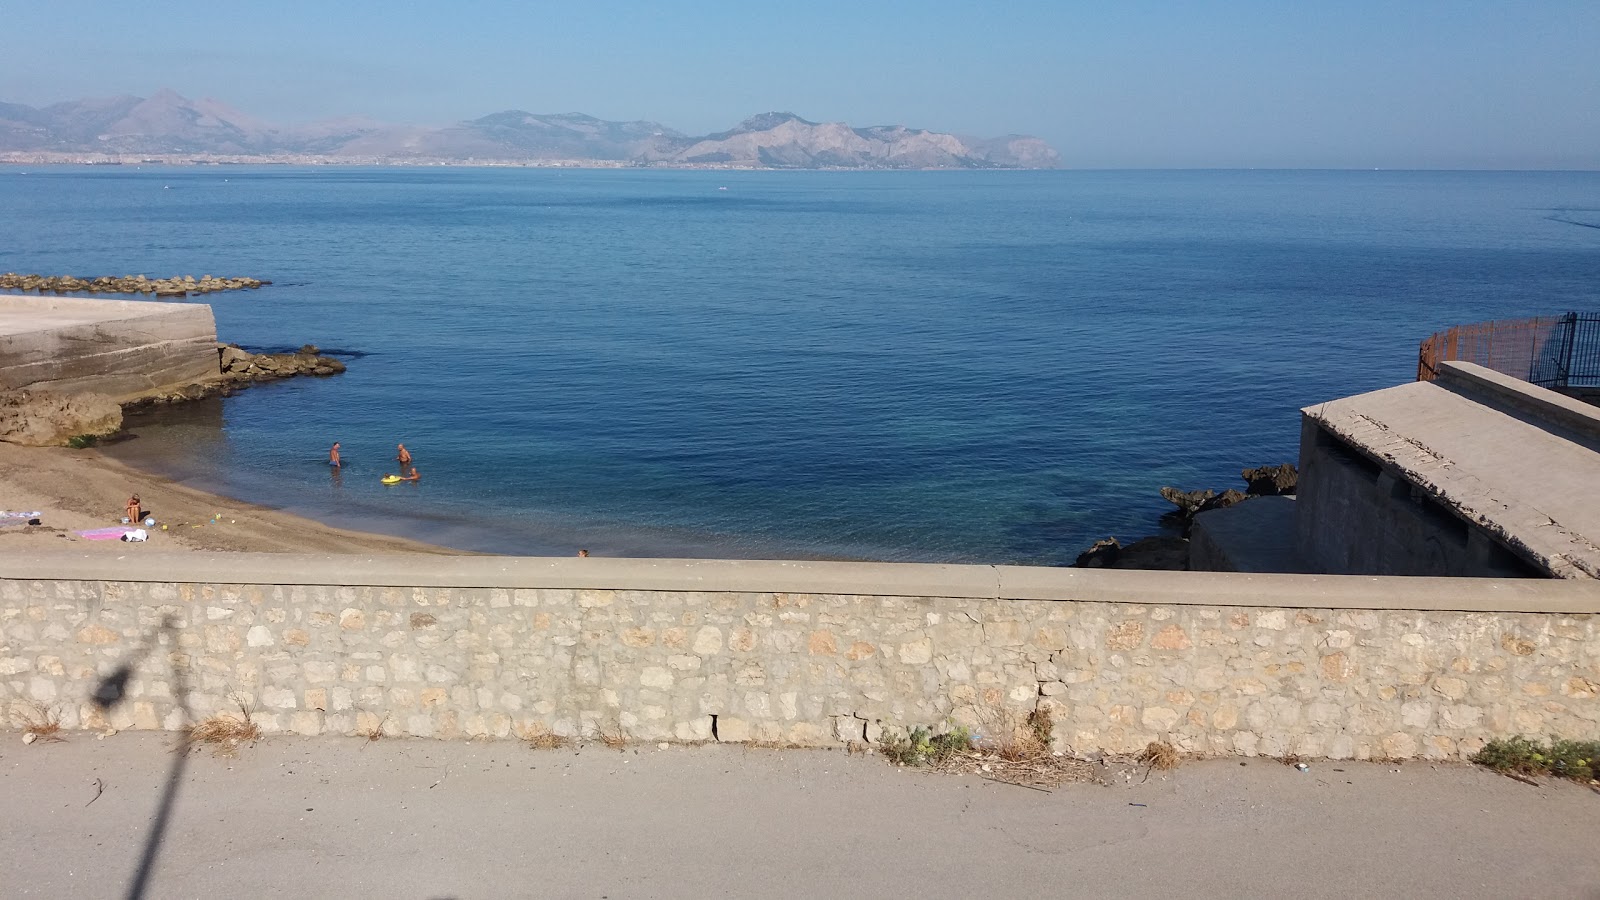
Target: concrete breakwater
[(176, 286), (128, 352), (814, 654)]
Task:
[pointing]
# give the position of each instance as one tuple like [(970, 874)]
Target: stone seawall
[(120, 348), (691, 651)]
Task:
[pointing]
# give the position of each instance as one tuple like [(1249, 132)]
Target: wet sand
[(78, 490)]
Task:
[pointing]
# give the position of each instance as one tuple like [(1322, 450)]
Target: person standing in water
[(404, 456), (416, 475), (333, 456)]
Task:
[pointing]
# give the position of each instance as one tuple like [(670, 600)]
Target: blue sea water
[(943, 366)]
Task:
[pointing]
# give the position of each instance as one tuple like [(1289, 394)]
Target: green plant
[(922, 747), (82, 441), (1578, 760), (1042, 724)]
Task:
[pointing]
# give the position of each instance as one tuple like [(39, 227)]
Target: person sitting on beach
[(135, 509), (333, 456), (404, 456), (414, 476)]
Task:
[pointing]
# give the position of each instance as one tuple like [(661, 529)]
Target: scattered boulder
[(43, 419), (1271, 481), (232, 358)]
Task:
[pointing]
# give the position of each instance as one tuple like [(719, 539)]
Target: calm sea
[(953, 366)]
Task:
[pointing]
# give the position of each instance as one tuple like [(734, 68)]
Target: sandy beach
[(79, 490)]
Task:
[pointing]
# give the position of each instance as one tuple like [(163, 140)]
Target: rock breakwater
[(238, 369), (176, 286)]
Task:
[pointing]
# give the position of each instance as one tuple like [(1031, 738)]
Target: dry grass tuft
[(1160, 755), (40, 723), (1013, 750), (614, 740), (771, 745), (375, 733), (541, 738), (226, 731)]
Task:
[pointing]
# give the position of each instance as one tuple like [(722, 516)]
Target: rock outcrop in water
[(1271, 481), (1192, 503), (1162, 552), (1171, 553), (44, 419), (176, 286)]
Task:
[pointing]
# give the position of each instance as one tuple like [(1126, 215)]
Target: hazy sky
[(1341, 83)]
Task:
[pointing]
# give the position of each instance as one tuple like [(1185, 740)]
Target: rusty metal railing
[(1550, 351)]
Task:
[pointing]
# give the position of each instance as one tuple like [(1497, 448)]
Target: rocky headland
[(176, 286)]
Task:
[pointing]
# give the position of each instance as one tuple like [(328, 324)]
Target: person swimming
[(333, 456), (414, 476), (404, 456)]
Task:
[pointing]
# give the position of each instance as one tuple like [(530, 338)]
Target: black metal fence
[(1550, 351)]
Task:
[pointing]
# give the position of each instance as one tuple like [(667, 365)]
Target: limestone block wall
[(120, 348), (1197, 659)]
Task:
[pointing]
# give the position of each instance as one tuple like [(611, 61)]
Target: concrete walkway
[(298, 817)]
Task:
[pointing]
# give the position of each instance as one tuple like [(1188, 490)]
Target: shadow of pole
[(107, 695)]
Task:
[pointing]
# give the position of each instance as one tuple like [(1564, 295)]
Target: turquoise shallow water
[(981, 367)]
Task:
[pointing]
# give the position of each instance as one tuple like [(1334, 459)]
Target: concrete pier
[(120, 348)]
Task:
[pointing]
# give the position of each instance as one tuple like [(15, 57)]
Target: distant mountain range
[(168, 124)]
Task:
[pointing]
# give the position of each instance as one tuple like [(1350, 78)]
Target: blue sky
[(1406, 83)]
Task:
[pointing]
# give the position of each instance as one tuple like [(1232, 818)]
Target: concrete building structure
[(1472, 474), (120, 348)]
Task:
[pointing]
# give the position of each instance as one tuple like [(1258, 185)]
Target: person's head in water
[(583, 553)]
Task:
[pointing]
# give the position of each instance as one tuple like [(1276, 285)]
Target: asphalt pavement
[(330, 817)]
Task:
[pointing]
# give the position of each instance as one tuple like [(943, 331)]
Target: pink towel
[(104, 534)]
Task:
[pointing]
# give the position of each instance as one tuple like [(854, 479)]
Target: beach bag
[(136, 535)]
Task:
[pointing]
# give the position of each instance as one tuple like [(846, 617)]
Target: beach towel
[(113, 533), (136, 535)]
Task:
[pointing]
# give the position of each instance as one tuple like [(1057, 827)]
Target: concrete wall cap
[(975, 582)]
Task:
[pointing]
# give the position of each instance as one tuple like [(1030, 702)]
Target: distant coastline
[(195, 160), (170, 128)]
